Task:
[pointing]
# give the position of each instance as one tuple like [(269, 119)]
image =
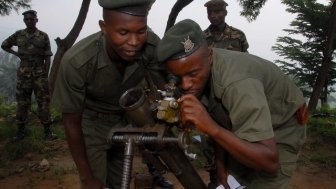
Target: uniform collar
[(130, 69), (219, 28), (36, 32)]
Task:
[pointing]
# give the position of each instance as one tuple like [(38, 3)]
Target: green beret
[(215, 4), (180, 41), (30, 12), (132, 7)]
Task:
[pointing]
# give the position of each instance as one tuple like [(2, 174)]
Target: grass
[(320, 146)]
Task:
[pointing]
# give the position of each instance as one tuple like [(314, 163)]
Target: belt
[(102, 115)]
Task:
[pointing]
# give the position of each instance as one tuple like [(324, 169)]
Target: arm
[(8, 48), (47, 54), (74, 135), (260, 155), (244, 43), (8, 43), (222, 172), (47, 64)]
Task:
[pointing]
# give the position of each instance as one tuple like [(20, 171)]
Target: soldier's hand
[(192, 112)]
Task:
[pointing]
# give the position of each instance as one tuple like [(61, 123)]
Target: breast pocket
[(20, 42), (39, 42), (105, 86)]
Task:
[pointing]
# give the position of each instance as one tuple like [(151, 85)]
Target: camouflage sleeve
[(10, 41), (47, 50), (244, 43)]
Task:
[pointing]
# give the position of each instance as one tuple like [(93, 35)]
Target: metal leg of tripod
[(127, 169)]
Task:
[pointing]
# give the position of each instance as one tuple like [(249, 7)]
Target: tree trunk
[(327, 57), (64, 44), (178, 6)]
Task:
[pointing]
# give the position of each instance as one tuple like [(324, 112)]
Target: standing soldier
[(32, 75), (219, 34)]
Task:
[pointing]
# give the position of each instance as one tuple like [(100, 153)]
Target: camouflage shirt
[(31, 47), (226, 37)]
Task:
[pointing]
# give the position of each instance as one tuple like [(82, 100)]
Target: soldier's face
[(30, 20), (216, 16), (193, 70), (125, 34)]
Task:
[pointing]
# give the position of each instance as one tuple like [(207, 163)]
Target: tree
[(327, 56), (64, 44), (303, 58), (6, 6), (251, 8), (178, 6)]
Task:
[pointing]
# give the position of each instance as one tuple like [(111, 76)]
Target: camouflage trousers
[(29, 81)]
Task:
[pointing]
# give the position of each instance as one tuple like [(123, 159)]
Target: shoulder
[(207, 32), (229, 67), (84, 50), (234, 30), (152, 38), (20, 32), (152, 42), (43, 33)]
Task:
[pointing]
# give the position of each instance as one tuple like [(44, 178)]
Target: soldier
[(247, 105), (32, 74), (219, 34), (93, 74)]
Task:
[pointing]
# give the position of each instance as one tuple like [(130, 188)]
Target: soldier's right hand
[(92, 183)]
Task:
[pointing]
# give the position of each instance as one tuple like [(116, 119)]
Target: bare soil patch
[(62, 173)]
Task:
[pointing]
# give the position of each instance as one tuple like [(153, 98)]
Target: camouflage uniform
[(31, 74), (226, 37)]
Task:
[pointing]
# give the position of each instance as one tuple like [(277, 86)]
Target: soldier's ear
[(225, 11), (102, 26)]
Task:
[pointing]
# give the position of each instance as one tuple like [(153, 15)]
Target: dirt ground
[(62, 173)]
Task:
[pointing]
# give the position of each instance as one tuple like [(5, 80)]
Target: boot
[(20, 134), (158, 179), (213, 179), (161, 181), (48, 134)]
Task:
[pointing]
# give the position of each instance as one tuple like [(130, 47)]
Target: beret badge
[(188, 45)]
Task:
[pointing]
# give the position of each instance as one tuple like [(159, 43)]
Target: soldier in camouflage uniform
[(32, 74), (219, 34)]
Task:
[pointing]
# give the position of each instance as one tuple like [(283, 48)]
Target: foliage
[(251, 8), (322, 124), (323, 127), (8, 67), (6, 6), (6, 109), (302, 49)]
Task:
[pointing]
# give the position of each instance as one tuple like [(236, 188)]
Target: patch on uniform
[(188, 45)]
